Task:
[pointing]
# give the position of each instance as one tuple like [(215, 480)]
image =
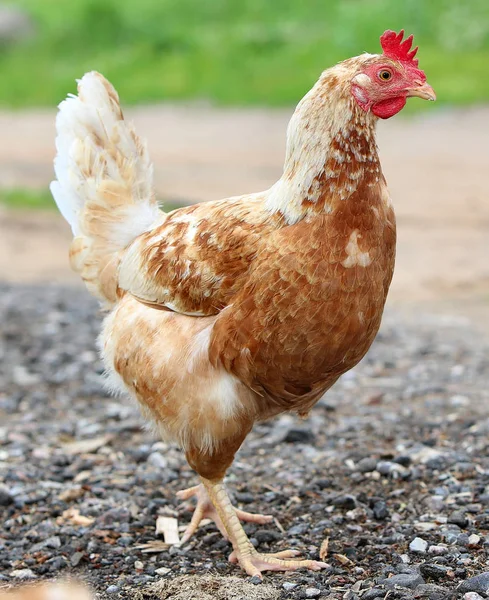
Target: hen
[(230, 312)]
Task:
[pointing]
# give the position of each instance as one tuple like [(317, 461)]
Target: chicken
[(226, 313)]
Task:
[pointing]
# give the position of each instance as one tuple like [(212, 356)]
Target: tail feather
[(104, 179)]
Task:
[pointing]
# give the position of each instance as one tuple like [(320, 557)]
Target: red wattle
[(388, 108)]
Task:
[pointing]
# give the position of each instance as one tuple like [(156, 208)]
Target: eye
[(385, 75)]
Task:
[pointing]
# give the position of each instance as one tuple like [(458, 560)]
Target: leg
[(205, 510), (244, 553)]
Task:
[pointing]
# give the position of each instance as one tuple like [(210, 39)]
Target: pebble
[(113, 589), (345, 501), (52, 542), (138, 565), (265, 536), (366, 465), (289, 586), (380, 510), (76, 558), (438, 550), (434, 571), (479, 584), (459, 518), (418, 545), (299, 435), (298, 529), (313, 592), (5, 496), (407, 580), (472, 596), (22, 574), (430, 591), (157, 460)]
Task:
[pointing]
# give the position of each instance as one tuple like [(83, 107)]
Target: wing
[(306, 314), (199, 256)]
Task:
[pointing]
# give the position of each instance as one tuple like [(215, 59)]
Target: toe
[(188, 493), (280, 561), (252, 518)]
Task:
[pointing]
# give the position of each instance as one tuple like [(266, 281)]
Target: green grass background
[(239, 52)]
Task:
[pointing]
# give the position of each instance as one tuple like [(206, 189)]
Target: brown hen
[(226, 313)]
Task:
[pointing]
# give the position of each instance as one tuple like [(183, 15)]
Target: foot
[(206, 510), (254, 563)]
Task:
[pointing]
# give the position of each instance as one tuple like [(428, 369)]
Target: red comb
[(395, 48)]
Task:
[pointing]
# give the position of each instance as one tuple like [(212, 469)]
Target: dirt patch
[(207, 587)]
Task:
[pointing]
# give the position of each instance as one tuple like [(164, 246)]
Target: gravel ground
[(392, 468)]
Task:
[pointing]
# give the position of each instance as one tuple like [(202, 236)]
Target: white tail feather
[(104, 178)]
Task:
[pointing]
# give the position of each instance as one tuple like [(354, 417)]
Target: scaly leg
[(205, 510), (244, 553)]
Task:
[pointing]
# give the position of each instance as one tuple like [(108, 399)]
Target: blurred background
[(212, 85)]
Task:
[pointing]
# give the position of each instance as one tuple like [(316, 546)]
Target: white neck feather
[(327, 136)]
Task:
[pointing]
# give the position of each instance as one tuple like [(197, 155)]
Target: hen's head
[(385, 81)]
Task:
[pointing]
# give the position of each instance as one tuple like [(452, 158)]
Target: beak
[(424, 91)]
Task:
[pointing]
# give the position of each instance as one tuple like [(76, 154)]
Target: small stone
[(472, 596), (407, 580), (76, 558), (52, 542), (458, 518), (387, 467), (298, 529), (125, 541), (289, 586), (244, 497), (313, 592), (380, 510), (255, 580), (346, 501), (384, 467), (474, 540), (115, 515), (376, 592), (265, 536), (162, 571), (418, 545), (438, 550), (366, 465), (5, 496), (138, 565), (431, 591), (112, 589), (479, 583), (433, 571), (403, 460), (450, 537), (22, 574), (157, 460), (299, 435)]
